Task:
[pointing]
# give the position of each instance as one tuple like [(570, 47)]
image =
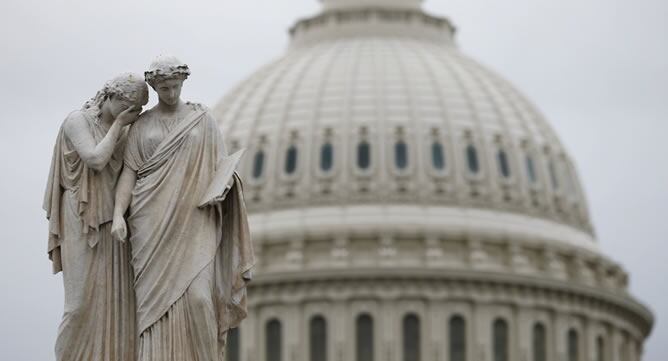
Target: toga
[(191, 264), (99, 319)]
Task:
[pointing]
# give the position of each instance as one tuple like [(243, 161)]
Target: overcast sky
[(597, 68)]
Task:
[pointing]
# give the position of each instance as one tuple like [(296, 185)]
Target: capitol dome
[(407, 203)]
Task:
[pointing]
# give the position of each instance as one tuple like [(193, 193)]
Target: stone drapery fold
[(94, 190)]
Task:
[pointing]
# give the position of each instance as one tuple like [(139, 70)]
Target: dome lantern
[(349, 4), (371, 18)]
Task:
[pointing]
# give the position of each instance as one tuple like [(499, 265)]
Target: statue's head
[(166, 76), (122, 92)]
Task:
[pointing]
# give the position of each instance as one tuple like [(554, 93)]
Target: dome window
[(364, 340), (232, 346), (291, 160), (274, 342), (318, 339), (437, 156), (539, 343), (364, 155), (258, 164), (472, 159), (573, 346), (401, 155), (500, 335), (457, 339), (553, 176), (411, 338), (531, 169), (504, 166), (326, 157)]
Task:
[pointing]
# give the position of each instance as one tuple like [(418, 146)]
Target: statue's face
[(169, 91), (116, 105)]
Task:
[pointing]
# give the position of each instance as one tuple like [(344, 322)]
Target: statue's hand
[(119, 229), (129, 115)]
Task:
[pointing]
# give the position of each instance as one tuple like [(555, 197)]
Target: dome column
[(337, 330), (483, 333), (524, 332), (389, 332)]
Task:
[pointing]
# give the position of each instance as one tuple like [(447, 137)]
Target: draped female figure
[(191, 261), (98, 322)]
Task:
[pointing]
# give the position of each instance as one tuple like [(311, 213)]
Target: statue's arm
[(126, 184), (95, 156)]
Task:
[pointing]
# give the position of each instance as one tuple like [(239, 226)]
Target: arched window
[(232, 347), (326, 157), (600, 349), (291, 160), (472, 159), (411, 338), (437, 156), (258, 164), (553, 175), (504, 167), (318, 341), (573, 346), (457, 339), (531, 169), (364, 155), (539, 343), (401, 155), (500, 335), (274, 346), (364, 338)]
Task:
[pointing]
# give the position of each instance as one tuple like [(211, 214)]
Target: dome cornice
[(409, 219), (471, 286)]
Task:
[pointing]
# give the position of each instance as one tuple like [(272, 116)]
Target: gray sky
[(597, 68)]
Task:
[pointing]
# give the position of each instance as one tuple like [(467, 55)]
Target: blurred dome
[(380, 159), (399, 120)]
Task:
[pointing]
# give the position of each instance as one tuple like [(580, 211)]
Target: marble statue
[(98, 323), (191, 255)]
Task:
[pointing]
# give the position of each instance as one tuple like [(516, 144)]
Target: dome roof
[(386, 171), (376, 115)]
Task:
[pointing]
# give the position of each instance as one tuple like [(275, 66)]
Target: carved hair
[(166, 68), (128, 86)]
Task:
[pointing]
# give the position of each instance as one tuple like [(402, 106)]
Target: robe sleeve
[(132, 156)]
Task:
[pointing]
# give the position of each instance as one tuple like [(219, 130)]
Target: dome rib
[(446, 121), (314, 125), (245, 91), (506, 143), (520, 182), (479, 137), (349, 128), (414, 122), (278, 150)]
